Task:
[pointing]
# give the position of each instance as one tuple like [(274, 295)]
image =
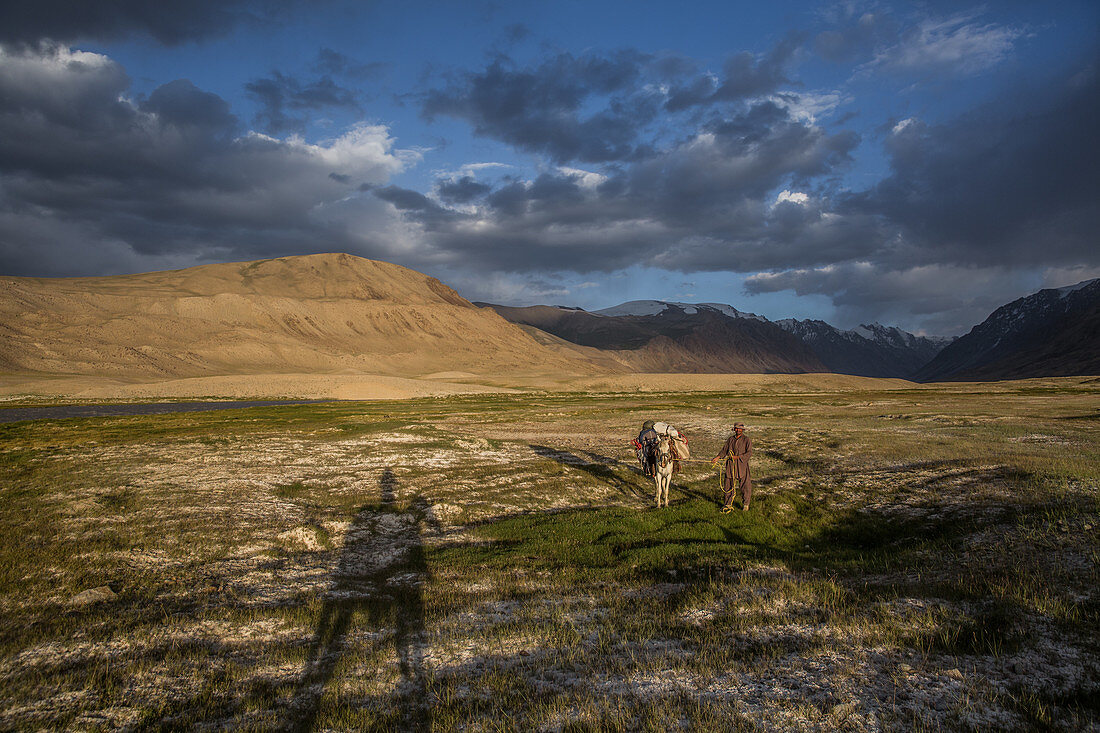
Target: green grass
[(494, 563)]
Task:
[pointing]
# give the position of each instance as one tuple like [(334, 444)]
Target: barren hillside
[(318, 313)]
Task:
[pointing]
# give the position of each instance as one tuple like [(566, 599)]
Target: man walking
[(736, 451)]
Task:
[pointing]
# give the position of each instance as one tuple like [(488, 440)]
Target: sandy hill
[(319, 313)]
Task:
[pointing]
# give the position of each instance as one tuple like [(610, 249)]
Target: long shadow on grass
[(607, 470), (375, 593), (376, 588)]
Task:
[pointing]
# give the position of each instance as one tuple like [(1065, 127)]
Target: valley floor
[(914, 557)]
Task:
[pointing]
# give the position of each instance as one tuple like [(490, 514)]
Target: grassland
[(912, 559)]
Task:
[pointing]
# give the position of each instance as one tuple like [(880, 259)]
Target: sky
[(914, 164)]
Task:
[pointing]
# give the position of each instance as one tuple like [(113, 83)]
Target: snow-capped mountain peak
[(869, 349), (656, 307)]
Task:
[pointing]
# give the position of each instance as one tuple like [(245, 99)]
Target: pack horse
[(662, 472), (660, 447)]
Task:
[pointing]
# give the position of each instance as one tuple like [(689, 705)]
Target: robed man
[(736, 477)]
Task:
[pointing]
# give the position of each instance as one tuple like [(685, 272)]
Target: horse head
[(664, 450)]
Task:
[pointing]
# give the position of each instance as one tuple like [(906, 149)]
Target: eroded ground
[(922, 559)]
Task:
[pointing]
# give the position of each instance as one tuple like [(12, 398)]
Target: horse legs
[(662, 480)]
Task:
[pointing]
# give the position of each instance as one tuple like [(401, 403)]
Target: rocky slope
[(868, 351), (319, 313), (1052, 333), (654, 336)]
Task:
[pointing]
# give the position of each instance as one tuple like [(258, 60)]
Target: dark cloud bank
[(284, 100), (169, 22), (649, 161), (90, 177), (1010, 185)]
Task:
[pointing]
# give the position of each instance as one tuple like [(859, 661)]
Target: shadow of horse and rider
[(372, 611), (377, 584)]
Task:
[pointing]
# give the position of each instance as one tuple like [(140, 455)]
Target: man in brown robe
[(736, 451)]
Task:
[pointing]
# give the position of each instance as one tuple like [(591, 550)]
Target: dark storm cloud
[(462, 191), (405, 199), (1015, 180), (741, 159), (158, 180), (1012, 182), (418, 207), (170, 22), (283, 99), (182, 104), (542, 109), (701, 204), (743, 75), (600, 108), (938, 299), (968, 207)]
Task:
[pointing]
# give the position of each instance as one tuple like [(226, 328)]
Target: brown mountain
[(1051, 333), (318, 313), (672, 337)]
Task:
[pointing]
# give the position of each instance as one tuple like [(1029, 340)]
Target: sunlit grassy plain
[(912, 559)]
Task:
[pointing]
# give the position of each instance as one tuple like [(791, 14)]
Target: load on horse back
[(646, 445)]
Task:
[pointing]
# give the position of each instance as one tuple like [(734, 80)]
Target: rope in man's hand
[(721, 486)]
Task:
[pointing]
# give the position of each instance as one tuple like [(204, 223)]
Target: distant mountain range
[(868, 351), (673, 337), (338, 314), (664, 336), (1053, 333)]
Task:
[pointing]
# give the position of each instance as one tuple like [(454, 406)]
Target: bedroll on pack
[(679, 440)]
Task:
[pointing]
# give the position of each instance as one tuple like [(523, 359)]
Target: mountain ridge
[(871, 350), (1050, 333), (674, 336)]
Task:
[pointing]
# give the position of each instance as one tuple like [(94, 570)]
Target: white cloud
[(584, 179), (59, 62), (364, 152), (954, 45), (903, 124), (794, 197), (505, 288), (470, 170), (810, 106)]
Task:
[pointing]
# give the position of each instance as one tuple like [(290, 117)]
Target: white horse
[(662, 473)]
